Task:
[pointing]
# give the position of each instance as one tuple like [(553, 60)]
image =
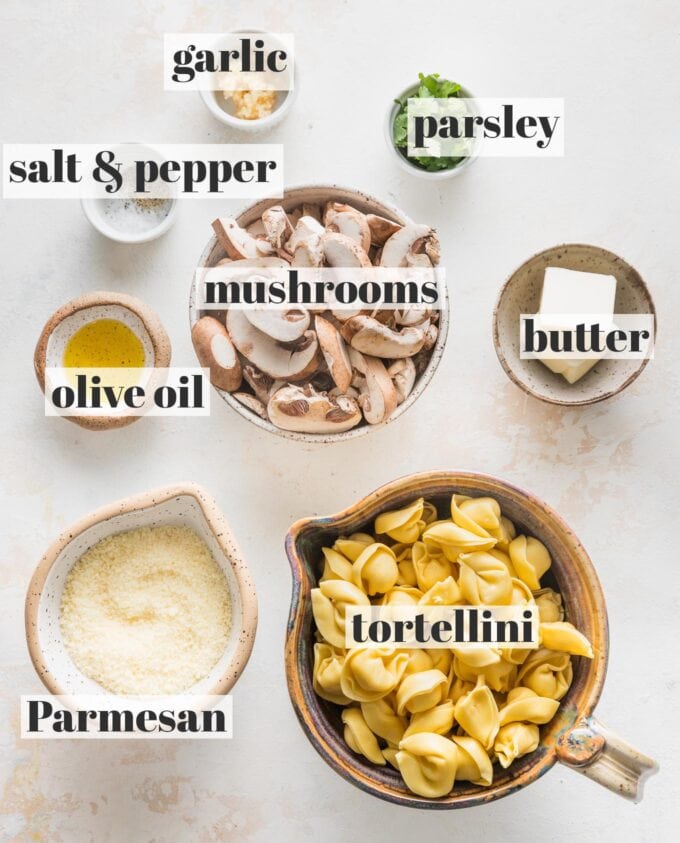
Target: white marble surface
[(84, 72)]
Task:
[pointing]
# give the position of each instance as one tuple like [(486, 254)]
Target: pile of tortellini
[(442, 715)]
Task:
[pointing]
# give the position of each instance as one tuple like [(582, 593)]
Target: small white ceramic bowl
[(94, 211), (223, 110), (182, 505), (402, 161), (94, 207)]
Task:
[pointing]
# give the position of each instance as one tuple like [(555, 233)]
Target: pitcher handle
[(591, 749)]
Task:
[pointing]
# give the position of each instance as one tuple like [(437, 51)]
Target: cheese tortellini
[(441, 716)]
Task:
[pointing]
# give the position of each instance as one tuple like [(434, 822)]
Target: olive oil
[(104, 343)]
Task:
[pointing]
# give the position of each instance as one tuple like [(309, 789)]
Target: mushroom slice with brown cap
[(307, 230), (340, 250), (282, 325), (403, 375), (216, 352), (334, 352), (272, 358), (366, 334), (304, 410), (262, 384), (378, 398), (237, 242), (431, 334), (381, 229), (348, 221), (252, 403), (406, 240), (277, 226)]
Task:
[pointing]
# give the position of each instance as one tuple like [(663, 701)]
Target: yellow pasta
[(359, 737), (439, 716)]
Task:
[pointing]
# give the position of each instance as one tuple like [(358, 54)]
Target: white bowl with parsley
[(432, 86)]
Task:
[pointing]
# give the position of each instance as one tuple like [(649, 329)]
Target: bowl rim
[(421, 384), (148, 500), (158, 337), (403, 162), (418, 484), (510, 372)]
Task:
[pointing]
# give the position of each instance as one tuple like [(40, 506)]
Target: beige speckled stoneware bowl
[(521, 293), (135, 314), (293, 197), (574, 737), (185, 504)]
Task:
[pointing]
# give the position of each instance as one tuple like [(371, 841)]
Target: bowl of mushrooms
[(320, 375)]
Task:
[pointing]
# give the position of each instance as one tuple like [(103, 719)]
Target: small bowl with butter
[(100, 331), (554, 287)]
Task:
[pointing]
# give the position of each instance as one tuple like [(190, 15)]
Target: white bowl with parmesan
[(146, 596)]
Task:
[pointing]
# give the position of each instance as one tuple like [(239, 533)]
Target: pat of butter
[(567, 294)]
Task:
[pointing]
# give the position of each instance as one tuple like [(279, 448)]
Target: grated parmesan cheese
[(146, 611)]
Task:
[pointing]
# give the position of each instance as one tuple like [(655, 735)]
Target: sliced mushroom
[(378, 399), (276, 263), (307, 230), (348, 221), (304, 410), (366, 334), (431, 334), (216, 352), (404, 241), (334, 352), (277, 226), (252, 403), (340, 250), (381, 229), (412, 315), (419, 259), (270, 356), (403, 375), (262, 384), (308, 253), (282, 325), (237, 242), (344, 315)]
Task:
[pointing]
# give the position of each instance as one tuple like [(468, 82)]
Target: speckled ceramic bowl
[(522, 294), (60, 327), (574, 737), (185, 505), (293, 197)]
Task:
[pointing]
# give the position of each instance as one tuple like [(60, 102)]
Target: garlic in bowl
[(244, 100), (311, 374), (104, 577)]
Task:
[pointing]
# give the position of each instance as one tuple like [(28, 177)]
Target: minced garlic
[(252, 105), (146, 611)]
